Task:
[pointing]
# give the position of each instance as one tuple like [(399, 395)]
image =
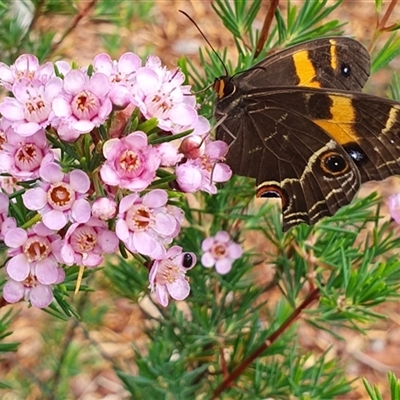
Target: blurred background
[(110, 323)]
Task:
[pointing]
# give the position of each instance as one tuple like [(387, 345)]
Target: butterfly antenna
[(204, 37)]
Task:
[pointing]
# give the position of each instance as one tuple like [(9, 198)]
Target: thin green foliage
[(387, 53), (395, 88), (394, 387), (349, 260)]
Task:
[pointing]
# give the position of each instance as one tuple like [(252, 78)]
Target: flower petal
[(108, 241), (13, 291), (122, 230), (156, 198), (18, 268), (79, 181), (179, 289), (75, 81), (34, 199), (51, 172), (147, 245), (207, 260), (46, 271), (223, 266), (235, 251), (15, 237), (80, 210), (162, 295), (222, 236), (67, 254), (165, 224), (55, 220), (41, 296)]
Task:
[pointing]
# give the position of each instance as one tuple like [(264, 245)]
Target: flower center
[(61, 196), (158, 105), (37, 109), (168, 272), (130, 163), (28, 157), (85, 105), (84, 239), (206, 163), (24, 74), (36, 248), (219, 251), (30, 281), (9, 184), (139, 218), (3, 139)]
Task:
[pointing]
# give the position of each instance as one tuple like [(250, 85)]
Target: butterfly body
[(308, 135)]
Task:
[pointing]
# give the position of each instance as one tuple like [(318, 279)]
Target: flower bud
[(192, 147), (104, 208)]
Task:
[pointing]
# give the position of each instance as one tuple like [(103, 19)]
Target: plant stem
[(74, 23), (266, 26), (312, 296)]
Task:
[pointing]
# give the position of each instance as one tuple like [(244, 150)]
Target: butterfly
[(298, 123)]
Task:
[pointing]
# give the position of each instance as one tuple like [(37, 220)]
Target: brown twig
[(384, 20), (266, 27), (83, 13), (312, 296), (381, 25)]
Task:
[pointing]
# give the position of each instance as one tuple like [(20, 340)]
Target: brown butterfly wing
[(366, 127), (336, 62), (289, 156)]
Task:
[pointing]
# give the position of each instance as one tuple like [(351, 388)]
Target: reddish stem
[(312, 296), (388, 12), (83, 13), (266, 26)]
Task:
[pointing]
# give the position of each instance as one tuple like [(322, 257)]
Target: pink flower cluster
[(80, 143)]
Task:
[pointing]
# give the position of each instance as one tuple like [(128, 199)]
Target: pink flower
[(121, 74), (168, 275), (33, 266), (9, 184), (130, 162), (193, 146), (60, 197), (22, 156), (26, 67), (82, 105), (145, 225), (30, 289), (6, 223), (394, 207), (85, 244), (34, 253), (202, 173), (169, 154), (104, 208), (179, 216), (189, 177), (5, 126), (161, 94), (31, 109), (220, 251)]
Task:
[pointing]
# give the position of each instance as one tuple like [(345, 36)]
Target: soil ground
[(170, 35)]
